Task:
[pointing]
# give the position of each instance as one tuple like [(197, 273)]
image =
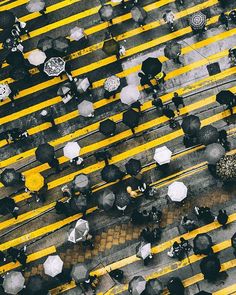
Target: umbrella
[(233, 241), (175, 286), (79, 232), (191, 125), (35, 285), (137, 285), (76, 33), (18, 73), (45, 43), (71, 150), (208, 134), (112, 83), (7, 19), (210, 266), (54, 66), (122, 199), (85, 108), (35, 5), (53, 265), (138, 14), (61, 44), (225, 97), (37, 57), (75, 291), (143, 250), (107, 127), (81, 183), (177, 191), (4, 91), (78, 203), (129, 94), (153, 287), (110, 173), (214, 152), (131, 118), (82, 84), (44, 153), (133, 166), (162, 155), (15, 58), (203, 293), (13, 282), (106, 12), (106, 200), (172, 50), (198, 20), (226, 168), (34, 182), (110, 47), (202, 244), (80, 272), (151, 66), (10, 177), (64, 89)]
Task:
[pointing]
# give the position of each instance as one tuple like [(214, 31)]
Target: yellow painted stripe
[(230, 290), (13, 4)]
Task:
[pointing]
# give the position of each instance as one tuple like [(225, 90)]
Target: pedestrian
[(155, 215), (169, 18), (205, 214), (190, 140), (178, 100), (41, 194), (156, 234), (136, 106), (131, 192), (121, 52), (169, 113), (18, 255), (160, 79), (146, 189), (232, 16), (185, 245), (91, 282), (144, 80), (14, 92), (224, 20), (61, 208), (175, 250), (232, 56), (187, 223), (21, 27), (222, 218), (8, 205), (223, 140), (136, 217), (145, 216), (157, 102), (47, 116), (77, 162), (54, 163), (88, 241), (117, 274), (147, 235), (2, 257), (103, 156)]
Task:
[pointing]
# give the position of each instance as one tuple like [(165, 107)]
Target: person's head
[(145, 212), (176, 94), (175, 244), (129, 189), (154, 96), (222, 14), (141, 75), (182, 239)]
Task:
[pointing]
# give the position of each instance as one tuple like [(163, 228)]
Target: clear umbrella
[(129, 94), (154, 287), (35, 5), (64, 89), (71, 150), (106, 200), (13, 282), (106, 12), (81, 183), (61, 44), (143, 250), (37, 57), (86, 108), (112, 83), (162, 155), (54, 66), (138, 14), (53, 265), (76, 33), (177, 191), (137, 285), (80, 272), (4, 91), (45, 43), (79, 232)]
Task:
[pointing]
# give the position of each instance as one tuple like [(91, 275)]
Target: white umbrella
[(53, 265), (37, 57), (35, 5), (129, 94), (162, 155), (79, 232), (82, 85), (143, 250), (76, 33), (4, 91), (86, 108), (71, 150), (177, 191), (13, 282)]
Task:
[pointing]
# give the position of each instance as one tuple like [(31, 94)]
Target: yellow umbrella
[(34, 182)]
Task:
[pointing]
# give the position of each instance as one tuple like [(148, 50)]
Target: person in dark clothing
[(187, 223), (205, 214), (223, 3), (91, 282), (47, 116), (137, 106), (157, 102), (169, 113), (136, 217), (189, 140), (178, 100), (103, 156), (185, 245), (64, 277), (146, 190), (224, 20), (146, 81), (156, 234), (222, 218), (223, 140), (2, 257), (54, 163), (145, 216), (61, 208), (18, 255), (8, 205), (146, 234), (41, 194), (155, 215), (117, 274), (109, 94)]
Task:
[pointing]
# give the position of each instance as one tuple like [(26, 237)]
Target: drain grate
[(213, 69)]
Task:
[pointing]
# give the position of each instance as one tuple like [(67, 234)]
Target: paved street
[(39, 226)]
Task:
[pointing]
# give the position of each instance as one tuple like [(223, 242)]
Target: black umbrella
[(4, 34), (153, 287), (210, 266), (7, 19), (111, 173), (175, 286), (131, 118), (137, 285), (45, 43), (106, 200), (15, 58), (233, 241), (10, 177), (45, 153), (225, 97), (208, 134), (78, 203), (203, 293), (110, 47), (151, 66), (122, 199), (202, 244), (61, 44), (35, 285), (191, 125), (133, 166), (18, 73), (107, 127)]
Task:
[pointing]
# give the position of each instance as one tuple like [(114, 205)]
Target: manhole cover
[(213, 69)]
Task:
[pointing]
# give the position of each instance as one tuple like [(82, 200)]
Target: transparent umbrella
[(80, 272), (76, 33), (137, 285), (81, 183), (4, 91), (37, 57), (154, 287), (106, 200), (64, 89), (71, 150), (106, 12), (79, 232), (143, 250), (45, 43), (86, 108), (138, 14), (35, 5), (129, 94), (61, 44), (13, 282), (53, 265)]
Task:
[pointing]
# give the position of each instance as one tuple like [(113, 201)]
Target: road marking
[(230, 290)]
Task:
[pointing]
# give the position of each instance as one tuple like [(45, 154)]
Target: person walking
[(157, 102), (185, 245), (54, 163), (223, 19), (18, 255), (136, 217), (144, 80), (169, 113), (155, 215), (187, 223), (169, 18), (103, 156), (133, 194), (223, 140), (178, 100), (47, 116), (8, 205), (222, 218), (205, 214), (146, 234)]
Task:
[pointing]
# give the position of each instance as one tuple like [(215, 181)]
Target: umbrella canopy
[(110, 47), (37, 57), (64, 89), (85, 108), (226, 168), (18, 73), (138, 14), (112, 83), (45, 153), (4, 91), (175, 286), (71, 150), (202, 244), (76, 33), (106, 12), (107, 127), (110, 173), (53, 265), (7, 19), (151, 66), (208, 134), (13, 282), (172, 50), (35, 285), (54, 66), (10, 177), (34, 182), (79, 232), (233, 240), (177, 191), (80, 272), (198, 20), (203, 293), (143, 250), (81, 183), (214, 152), (106, 200), (45, 43), (225, 97), (137, 285), (82, 84), (210, 266), (129, 94), (78, 203), (162, 155), (75, 291), (154, 287), (61, 44), (15, 58), (131, 118), (122, 199), (35, 5), (133, 166), (191, 125)]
